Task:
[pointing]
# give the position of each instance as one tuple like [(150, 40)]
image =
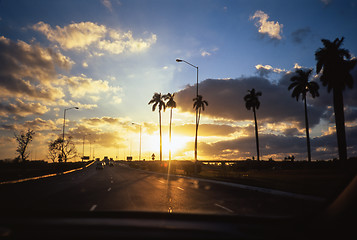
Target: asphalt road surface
[(121, 188)]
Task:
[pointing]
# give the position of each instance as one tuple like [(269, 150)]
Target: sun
[(151, 144), (178, 143)]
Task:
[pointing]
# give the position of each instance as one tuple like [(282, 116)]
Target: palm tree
[(336, 64), (198, 105), (170, 104), (302, 85), (157, 101), (252, 101)]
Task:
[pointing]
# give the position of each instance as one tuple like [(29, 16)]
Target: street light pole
[(64, 126), (90, 146), (140, 140), (180, 60), (84, 136)]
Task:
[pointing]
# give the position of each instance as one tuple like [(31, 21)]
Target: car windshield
[(209, 106)]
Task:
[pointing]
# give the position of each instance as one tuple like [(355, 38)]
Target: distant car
[(99, 166), (111, 163)]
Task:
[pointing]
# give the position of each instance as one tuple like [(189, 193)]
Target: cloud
[(204, 130), (300, 34), (120, 43), (28, 70), (80, 105), (38, 124), (276, 146), (326, 2), (349, 97), (74, 36), (107, 4), (205, 54), (81, 36), (292, 132), (225, 99), (271, 28), (97, 136), (265, 71), (22, 109), (80, 86), (117, 100), (106, 120)]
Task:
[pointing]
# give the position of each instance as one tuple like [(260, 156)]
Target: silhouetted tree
[(198, 105), (252, 101), (157, 100), (55, 149), (23, 139), (301, 85), (170, 104), (336, 64)]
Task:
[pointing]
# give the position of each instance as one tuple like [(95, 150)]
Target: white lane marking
[(111, 181), (109, 189), (223, 207), (92, 208), (180, 188), (161, 181)]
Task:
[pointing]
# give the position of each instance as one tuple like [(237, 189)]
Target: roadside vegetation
[(11, 170)]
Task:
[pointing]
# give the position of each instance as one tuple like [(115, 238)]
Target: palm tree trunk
[(170, 136), (160, 137), (340, 124), (196, 130), (307, 133), (198, 112), (256, 133)]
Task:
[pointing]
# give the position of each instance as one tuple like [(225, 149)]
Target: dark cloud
[(350, 114), (277, 146), (225, 99), (349, 98), (97, 136), (37, 124), (291, 132), (204, 129), (301, 34), (22, 109), (27, 70)]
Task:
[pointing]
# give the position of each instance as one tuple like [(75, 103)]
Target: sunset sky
[(108, 58)]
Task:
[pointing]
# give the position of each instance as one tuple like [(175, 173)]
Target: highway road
[(121, 188)]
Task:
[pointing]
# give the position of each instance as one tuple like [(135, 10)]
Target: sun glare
[(151, 144)]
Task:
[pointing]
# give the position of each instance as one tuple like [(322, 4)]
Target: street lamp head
[(178, 60)]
